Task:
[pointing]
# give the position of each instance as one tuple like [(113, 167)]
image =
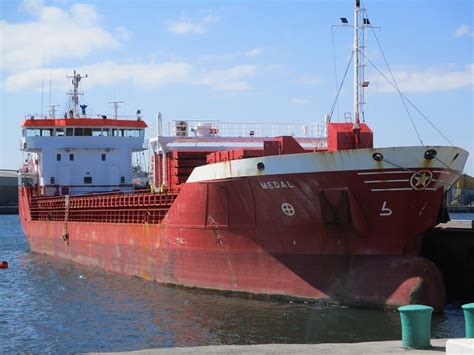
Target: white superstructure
[(73, 155)]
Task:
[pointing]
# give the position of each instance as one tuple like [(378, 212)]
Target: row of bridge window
[(87, 180), (80, 131), (103, 157)]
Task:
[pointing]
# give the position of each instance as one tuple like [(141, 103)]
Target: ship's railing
[(88, 115), (135, 207), (199, 128)]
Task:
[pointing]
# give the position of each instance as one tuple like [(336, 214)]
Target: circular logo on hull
[(421, 179), (288, 209)]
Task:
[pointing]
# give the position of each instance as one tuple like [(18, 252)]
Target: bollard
[(469, 319), (416, 326)]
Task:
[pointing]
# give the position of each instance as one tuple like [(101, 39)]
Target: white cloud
[(185, 27), (309, 80), (104, 73), (122, 33), (230, 79), (276, 68), (230, 56), (464, 30), (54, 33), (147, 76), (32, 6), (253, 52), (431, 79), (298, 101), (144, 75)]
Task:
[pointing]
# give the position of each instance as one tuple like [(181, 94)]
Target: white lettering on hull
[(385, 211), (271, 185)]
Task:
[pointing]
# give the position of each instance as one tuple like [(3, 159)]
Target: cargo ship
[(306, 212)]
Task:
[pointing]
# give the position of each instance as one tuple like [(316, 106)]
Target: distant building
[(462, 192), (8, 191)]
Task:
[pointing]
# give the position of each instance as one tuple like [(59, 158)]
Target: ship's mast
[(115, 105), (76, 78), (359, 62), (52, 110)]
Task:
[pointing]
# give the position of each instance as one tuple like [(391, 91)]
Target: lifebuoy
[(3, 264)]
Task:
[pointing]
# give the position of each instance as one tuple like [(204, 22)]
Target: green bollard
[(416, 326), (469, 319)]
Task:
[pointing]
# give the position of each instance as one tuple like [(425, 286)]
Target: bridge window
[(87, 179), (79, 131), (129, 133), (71, 157), (59, 132), (106, 132), (58, 157), (96, 132), (69, 131), (47, 132), (33, 132), (52, 180), (104, 157), (132, 132), (88, 131)]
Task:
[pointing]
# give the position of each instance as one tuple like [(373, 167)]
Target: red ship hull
[(314, 236)]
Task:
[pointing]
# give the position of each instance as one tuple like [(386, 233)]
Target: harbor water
[(52, 305)]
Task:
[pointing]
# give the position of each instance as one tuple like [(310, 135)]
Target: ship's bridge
[(82, 133), (79, 155)]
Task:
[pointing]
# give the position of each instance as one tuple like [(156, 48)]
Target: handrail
[(242, 129)]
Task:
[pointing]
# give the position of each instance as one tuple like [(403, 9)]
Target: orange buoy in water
[(3, 264)]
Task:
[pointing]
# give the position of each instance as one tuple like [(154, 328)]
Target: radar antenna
[(76, 78)]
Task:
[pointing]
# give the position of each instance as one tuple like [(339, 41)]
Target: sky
[(240, 61)]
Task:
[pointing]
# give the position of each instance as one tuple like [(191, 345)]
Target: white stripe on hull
[(410, 159), (394, 189), (385, 172), (381, 181)]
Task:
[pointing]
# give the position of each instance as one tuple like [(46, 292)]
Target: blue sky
[(247, 61)]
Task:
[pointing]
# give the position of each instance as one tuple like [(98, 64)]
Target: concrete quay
[(450, 246), (378, 347), (467, 225)]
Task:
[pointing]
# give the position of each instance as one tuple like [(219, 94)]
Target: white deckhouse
[(78, 154)]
